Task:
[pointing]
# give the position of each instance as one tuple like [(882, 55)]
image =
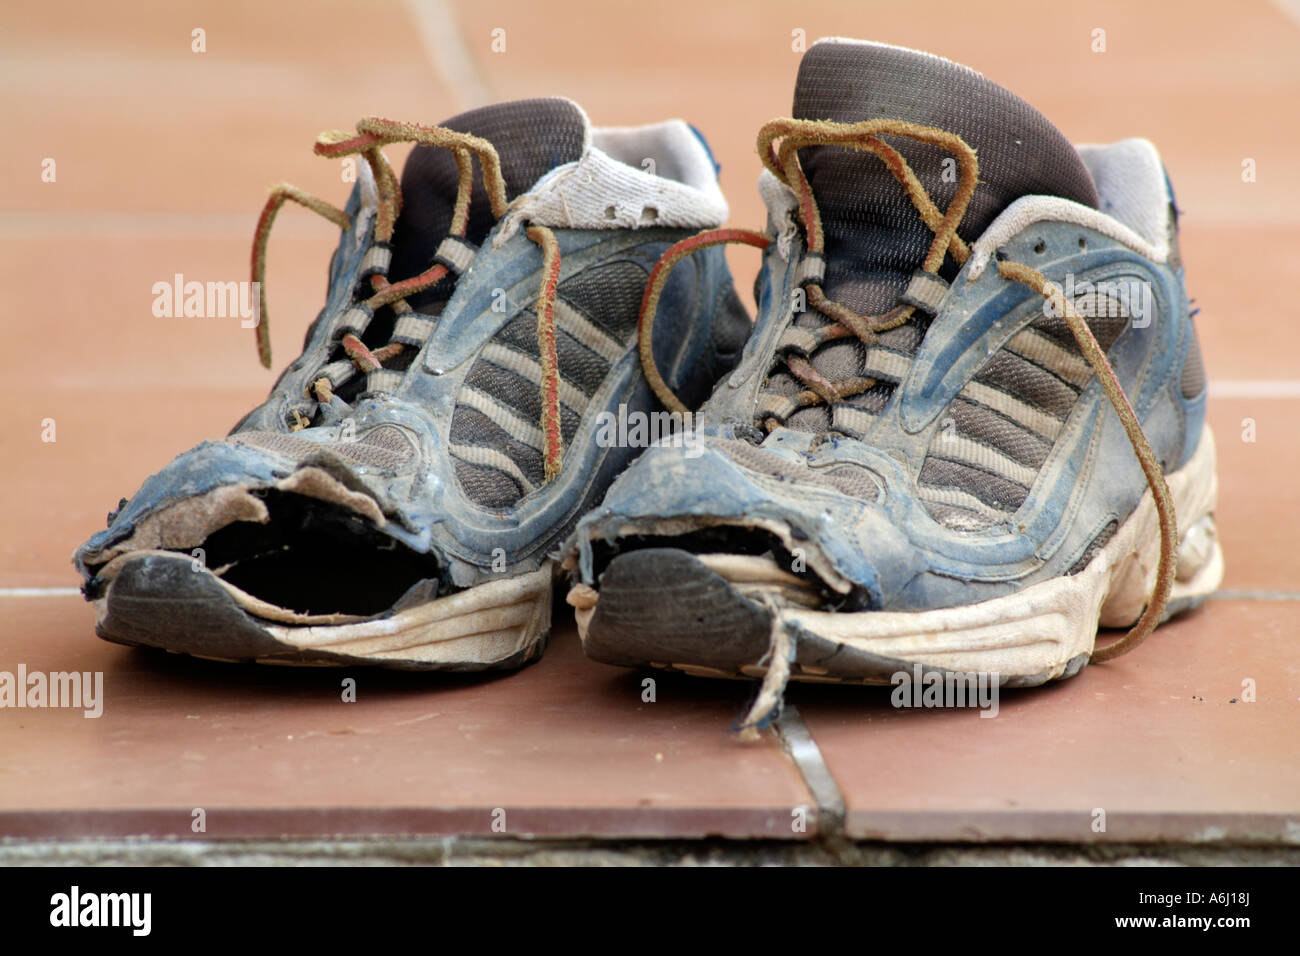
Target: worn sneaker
[(971, 407), (396, 498)]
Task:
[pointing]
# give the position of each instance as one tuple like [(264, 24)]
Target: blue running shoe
[(967, 431), (399, 497)]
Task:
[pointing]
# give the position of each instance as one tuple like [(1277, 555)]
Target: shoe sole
[(708, 614), (163, 600)]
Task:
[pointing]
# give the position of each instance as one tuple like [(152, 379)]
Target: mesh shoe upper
[(496, 446), (998, 432)]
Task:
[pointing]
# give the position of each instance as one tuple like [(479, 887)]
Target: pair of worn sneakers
[(966, 429)]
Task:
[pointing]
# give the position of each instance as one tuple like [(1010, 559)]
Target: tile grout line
[(447, 53), (798, 743), (1254, 594), (1254, 388), (38, 592), (1289, 9), (77, 224)]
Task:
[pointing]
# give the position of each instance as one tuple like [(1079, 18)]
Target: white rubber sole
[(485, 625), (498, 623), (1041, 633)]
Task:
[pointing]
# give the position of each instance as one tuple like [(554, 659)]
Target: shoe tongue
[(874, 237), (531, 137)]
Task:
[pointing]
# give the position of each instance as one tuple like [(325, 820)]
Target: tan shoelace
[(371, 136), (784, 164)]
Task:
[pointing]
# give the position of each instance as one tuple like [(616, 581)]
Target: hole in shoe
[(313, 557)]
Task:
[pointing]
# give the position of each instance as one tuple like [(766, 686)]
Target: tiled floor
[(565, 747), (1165, 745), (163, 156)]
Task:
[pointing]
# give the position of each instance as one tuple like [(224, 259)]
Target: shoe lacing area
[(315, 543), (350, 355), (783, 162)]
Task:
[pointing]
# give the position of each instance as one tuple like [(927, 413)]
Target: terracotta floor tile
[(1246, 328), (107, 441), (1259, 495), (566, 747), (98, 328), (137, 122), (1153, 739), (127, 390), (163, 159), (734, 68)]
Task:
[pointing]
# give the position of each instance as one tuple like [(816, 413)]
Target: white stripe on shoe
[(588, 333), (491, 458), (528, 367), (502, 414), (1047, 353)]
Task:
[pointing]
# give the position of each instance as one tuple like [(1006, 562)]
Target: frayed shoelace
[(784, 164), (373, 134)]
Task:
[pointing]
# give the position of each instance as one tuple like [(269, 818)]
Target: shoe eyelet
[(1040, 247)]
